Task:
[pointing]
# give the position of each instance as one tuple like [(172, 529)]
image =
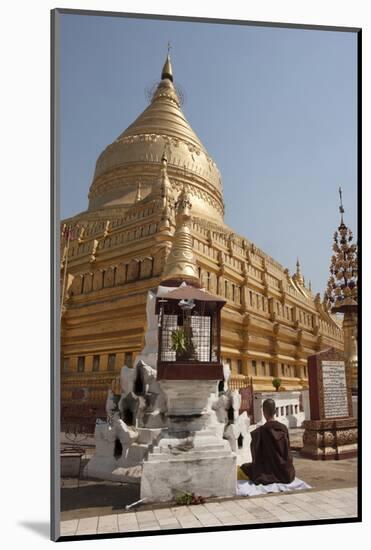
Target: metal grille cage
[(197, 330), (188, 330)]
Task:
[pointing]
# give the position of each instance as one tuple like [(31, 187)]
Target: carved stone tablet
[(329, 386), (335, 398)]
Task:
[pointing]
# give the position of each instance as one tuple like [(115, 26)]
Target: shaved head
[(269, 408)]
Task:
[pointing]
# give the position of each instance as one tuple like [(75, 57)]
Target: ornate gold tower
[(181, 262), (342, 291), (116, 251)]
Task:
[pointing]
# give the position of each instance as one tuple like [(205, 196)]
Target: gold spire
[(167, 199), (167, 71), (298, 276), (181, 263)]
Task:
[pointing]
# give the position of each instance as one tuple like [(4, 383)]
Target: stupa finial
[(181, 263), (167, 71), (299, 277), (164, 189)]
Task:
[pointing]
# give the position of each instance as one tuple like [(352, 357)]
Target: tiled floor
[(275, 508)]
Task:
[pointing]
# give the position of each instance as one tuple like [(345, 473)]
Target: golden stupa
[(114, 252), (136, 153)]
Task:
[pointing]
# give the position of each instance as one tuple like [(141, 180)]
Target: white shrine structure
[(173, 425)]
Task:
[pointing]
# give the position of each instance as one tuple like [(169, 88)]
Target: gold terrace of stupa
[(271, 321)]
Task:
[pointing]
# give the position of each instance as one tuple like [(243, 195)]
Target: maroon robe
[(271, 457)]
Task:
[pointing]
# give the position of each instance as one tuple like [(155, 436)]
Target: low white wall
[(306, 404), (287, 408)]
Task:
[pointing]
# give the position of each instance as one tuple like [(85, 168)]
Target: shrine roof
[(188, 292)]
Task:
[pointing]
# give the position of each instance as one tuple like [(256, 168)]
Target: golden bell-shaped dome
[(136, 156)]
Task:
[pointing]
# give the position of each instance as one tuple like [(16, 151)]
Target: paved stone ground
[(273, 508), (95, 506), (90, 498)]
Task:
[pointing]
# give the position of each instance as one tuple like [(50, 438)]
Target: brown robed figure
[(270, 451)]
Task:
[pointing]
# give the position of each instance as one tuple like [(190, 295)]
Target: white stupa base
[(127, 468), (207, 474), (191, 455)]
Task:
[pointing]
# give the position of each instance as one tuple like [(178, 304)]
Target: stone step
[(198, 446), (189, 455), (196, 440)]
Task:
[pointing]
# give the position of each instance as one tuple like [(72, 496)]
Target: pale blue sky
[(275, 108)]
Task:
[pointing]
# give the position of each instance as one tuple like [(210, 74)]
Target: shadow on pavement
[(99, 496)]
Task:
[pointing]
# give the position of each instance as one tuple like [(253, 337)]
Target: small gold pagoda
[(341, 294), (115, 252), (181, 262)]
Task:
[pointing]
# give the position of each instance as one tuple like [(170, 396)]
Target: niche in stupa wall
[(88, 282), (121, 273), (239, 295), (227, 289), (146, 268), (98, 280), (77, 285), (159, 262), (260, 302), (252, 299), (133, 270), (109, 277)]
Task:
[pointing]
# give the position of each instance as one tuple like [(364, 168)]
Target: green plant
[(276, 382), (189, 498), (179, 340)]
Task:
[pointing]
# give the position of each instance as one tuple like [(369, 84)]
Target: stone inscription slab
[(335, 397)]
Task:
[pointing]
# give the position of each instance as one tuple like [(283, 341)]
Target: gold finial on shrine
[(298, 276), (166, 203), (167, 71), (181, 263)]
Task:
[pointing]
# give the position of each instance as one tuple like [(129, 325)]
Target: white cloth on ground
[(249, 489)]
